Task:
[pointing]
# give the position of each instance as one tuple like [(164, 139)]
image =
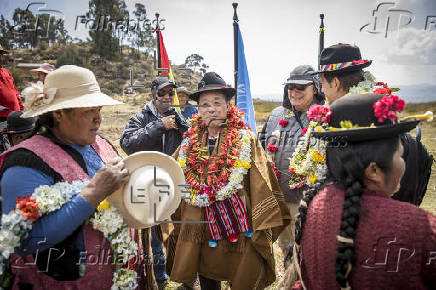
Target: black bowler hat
[(16, 124), (342, 58), (211, 81), (359, 110)]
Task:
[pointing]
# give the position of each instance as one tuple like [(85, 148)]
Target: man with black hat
[(158, 127), (17, 130), (341, 69), (233, 210)]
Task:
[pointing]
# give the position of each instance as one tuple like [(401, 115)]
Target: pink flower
[(283, 122), (304, 131), (319, 114)]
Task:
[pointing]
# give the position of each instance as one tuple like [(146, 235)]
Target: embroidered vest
[(99, 267)]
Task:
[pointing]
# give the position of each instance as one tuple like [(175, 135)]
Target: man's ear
[(374, 175), (336, 83)]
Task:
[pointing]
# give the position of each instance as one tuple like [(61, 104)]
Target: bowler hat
[(16, 124), (212, 81), (363, 124)]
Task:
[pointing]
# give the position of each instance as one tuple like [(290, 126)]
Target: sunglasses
[(162, 93), (298, 87)]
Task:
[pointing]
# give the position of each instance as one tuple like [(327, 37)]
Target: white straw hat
[(153, 192), (69, 86)]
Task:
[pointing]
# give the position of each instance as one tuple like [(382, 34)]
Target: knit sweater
[(395, 244)]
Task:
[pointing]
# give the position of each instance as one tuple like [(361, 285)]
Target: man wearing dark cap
[(17, 130), (158, 127), (282, 131), (9, 96)]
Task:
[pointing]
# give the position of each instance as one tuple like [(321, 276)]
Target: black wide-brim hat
[(341, 58), (359, 110), (17, 125), (211, 81)]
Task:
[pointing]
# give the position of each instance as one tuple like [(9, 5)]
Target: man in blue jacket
[(158, 127)]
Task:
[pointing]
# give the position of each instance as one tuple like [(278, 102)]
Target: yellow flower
[(318, 157), (182, 162), (319, 129), (237, 164), (312, 178), (246, 164), (104, 205)]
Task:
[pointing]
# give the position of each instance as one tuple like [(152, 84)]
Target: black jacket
[(146, 132)]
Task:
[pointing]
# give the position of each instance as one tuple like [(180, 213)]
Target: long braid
[(347, 232)]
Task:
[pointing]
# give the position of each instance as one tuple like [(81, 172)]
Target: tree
[(142, 36), (6, 35), (107, 14), (195, 62)]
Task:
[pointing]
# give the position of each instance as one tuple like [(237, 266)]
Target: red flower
[(319, 114), (29, 207), (292, 170), (386, 107), (283, 122), (304, 132), (276, 171), (271, 147), (383, 91)]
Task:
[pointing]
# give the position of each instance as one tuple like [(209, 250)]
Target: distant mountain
[(422, 93)]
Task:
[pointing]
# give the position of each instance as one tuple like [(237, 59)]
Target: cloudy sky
[(279, 35)]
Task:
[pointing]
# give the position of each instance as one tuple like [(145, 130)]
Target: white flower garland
[(16, 227), (239, 169)]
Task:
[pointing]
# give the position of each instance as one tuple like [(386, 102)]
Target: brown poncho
[(249, 262)]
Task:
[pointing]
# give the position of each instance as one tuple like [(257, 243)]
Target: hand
[(107, 180), (170, 122)]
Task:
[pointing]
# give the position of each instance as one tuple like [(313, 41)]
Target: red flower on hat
[(271, 147), (386, 107), (29, 207), (283, 122), (360, 61), (319, 114), (383, 91)]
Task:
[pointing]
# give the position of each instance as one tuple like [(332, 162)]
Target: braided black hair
[(346, 167)]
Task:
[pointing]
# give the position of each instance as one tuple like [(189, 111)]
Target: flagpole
[(159, 61), (321, 39), (235, 47)]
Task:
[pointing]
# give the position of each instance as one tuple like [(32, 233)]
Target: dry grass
[(115, 119)]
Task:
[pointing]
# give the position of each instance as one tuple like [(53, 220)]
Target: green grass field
[(115, 118)]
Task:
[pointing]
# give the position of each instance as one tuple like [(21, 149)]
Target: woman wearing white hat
[(63, 250)]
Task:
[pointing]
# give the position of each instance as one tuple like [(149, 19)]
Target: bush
[(69, 55), (19, 78)]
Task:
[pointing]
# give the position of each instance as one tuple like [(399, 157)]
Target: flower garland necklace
[(223, 173), (17, 224), (307, 164)]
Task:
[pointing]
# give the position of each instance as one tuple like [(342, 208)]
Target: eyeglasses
[(298, 87), (162, 93)]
